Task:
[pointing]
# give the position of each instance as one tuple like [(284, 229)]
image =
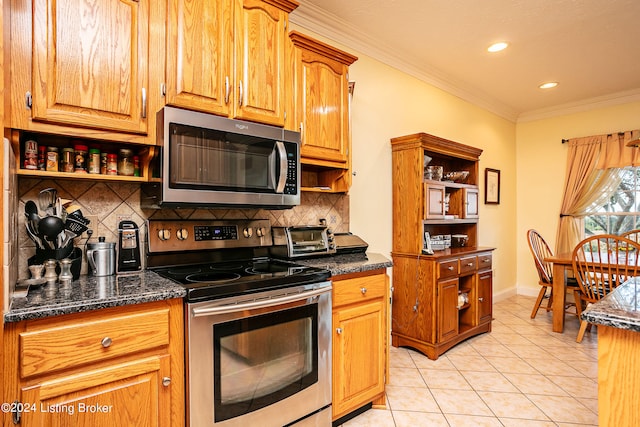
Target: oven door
[(264, 357)]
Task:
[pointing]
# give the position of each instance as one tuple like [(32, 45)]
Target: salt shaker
[(66, 277), (50, 271)]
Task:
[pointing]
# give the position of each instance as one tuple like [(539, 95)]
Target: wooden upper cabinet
[(199, 55), (203, 39), (90, 63), (322, 101)]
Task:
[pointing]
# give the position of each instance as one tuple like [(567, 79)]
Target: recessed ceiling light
[(497, 47), (548, 85)]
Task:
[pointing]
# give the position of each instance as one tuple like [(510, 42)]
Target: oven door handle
[(271, 302)]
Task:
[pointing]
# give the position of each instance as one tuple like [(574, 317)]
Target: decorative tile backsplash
[(107, 203)]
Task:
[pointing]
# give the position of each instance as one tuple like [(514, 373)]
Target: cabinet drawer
[(358, 289), (484, 261), (448, 268), (468, 264), (66, 345)]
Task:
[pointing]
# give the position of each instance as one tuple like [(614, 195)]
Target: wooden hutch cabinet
[(444, 297)]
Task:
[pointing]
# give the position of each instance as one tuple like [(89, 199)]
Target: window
[(622, 212)]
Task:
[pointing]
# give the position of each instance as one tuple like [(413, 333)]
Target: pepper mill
[(50, 271), (66, 277)]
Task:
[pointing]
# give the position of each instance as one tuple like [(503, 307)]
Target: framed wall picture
[(491, 186)]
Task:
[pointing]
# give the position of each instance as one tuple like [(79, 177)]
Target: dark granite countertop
[(620, 309), (350, 263), (92, 293)]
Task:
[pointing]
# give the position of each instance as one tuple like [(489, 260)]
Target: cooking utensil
[(47, 200), (76, 225), (50, 227)]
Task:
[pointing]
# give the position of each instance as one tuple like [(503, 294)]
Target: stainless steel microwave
[(212, 161)]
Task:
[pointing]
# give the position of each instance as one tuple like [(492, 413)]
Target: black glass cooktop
[(224, 279)]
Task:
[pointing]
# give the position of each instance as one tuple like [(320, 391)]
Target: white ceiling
[(591, 47)]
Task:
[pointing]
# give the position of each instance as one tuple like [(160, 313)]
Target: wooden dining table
[(561, 263)]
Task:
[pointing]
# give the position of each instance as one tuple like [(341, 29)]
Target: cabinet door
[(199, 54), (434, 198), (447, 309), (470, 203), (485, 292), (90, 63), (127, 394), (358, 355), (322, 98), (260, 43)]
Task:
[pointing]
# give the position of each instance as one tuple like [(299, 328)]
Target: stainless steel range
[(258, 339)]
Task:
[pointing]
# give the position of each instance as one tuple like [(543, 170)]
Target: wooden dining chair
[(540, 251), (600, 263), (632, 235)]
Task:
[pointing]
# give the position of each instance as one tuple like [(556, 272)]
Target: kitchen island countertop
[(620, 309), (92, 293), (348, 263)]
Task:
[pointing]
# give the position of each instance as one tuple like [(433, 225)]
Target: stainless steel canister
[(102, 257)]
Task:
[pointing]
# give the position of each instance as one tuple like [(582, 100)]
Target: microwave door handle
[(284, 166)]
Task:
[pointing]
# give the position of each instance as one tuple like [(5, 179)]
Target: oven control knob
[(248, 232), (164, 234), (261, 232), (182, 234)]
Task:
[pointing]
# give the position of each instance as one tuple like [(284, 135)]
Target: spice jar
[(66, 163), (103, 163), (112, 164), (125, 162), (80, 158), (136, 166), (94, 160), (42, 157), (31, 154), (52, 159)]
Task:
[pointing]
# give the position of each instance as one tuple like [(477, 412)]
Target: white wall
[(388, 103), (541, 164)]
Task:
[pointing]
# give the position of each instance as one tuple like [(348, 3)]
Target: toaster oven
[(302, 241)]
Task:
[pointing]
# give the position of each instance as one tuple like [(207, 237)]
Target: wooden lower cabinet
[(113, 367), (441, 300), (360, 340)]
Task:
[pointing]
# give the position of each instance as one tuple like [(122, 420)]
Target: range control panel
[(190, 235)]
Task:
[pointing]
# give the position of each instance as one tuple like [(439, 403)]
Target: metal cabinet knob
[(470, 264), (481, 299), (363, 290), (166, 381), (450, 268), (338, 331), (106, 342)]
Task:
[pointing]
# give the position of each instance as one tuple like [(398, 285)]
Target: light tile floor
[(520, 374)]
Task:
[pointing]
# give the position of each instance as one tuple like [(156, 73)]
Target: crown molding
[(610, 100), (316, 19)]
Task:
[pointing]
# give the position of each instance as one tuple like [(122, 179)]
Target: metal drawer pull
[(166, 381), (338, 331), (363, 290), (470, 264), (450, 268), (486, 260), (106, 342)]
